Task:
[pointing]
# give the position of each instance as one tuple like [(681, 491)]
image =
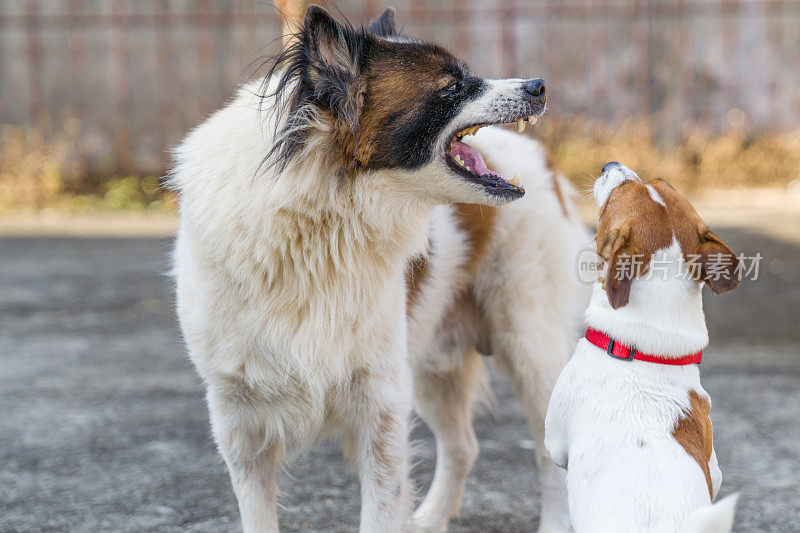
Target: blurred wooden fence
[(136, 74)]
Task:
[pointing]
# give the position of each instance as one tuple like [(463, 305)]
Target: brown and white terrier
[(628, 417)]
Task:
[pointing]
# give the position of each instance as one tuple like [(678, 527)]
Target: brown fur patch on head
[(400, 81), (694, 433), (633, 226), (478, 222), (397, 79), (715, 262)]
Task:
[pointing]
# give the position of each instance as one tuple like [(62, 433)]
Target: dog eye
[(453, 87)]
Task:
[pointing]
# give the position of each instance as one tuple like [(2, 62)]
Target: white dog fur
[(292, 298), (333, 290), (610, 422)]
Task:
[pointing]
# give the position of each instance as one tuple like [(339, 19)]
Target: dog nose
[(536, 88), (608, 166)]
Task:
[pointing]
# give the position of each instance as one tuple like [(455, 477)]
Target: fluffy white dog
[(341, 255)]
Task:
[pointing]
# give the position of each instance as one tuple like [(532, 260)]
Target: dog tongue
[(471, 158)]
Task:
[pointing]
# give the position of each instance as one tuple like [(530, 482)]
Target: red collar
[(625, 353)]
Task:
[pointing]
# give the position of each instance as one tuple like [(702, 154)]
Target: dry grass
[(701, 161), (46, 167)]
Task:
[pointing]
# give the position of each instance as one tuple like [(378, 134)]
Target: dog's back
[(627, 469)]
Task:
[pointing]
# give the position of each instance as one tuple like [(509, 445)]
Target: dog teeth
[(515, 180), (469, 169), (458, 160), (472, 130), (520, 125), (533, 120)]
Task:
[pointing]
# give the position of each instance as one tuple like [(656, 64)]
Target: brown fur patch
[(380, 449), (684, 220), (550, 164), (478, 221), (398, 79), (463, 325), (695, 434), (697, 240), (235, 389), (632, 226), (386, 424)]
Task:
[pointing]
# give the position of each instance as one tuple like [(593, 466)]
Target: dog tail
[(715, 518)]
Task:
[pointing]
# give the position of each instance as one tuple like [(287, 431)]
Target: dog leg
[(534, 355), (716, 474), (251, 465), (254, 485), (379, 435), (555, 510), (443, 400)]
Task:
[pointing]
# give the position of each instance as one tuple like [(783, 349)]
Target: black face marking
[(423, 105), (411, 135), (386, 100)]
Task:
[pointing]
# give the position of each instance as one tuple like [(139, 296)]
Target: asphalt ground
[(103, 424)]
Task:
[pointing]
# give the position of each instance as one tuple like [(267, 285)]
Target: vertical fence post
[(644, 73), (686, 86), (34, 53), (369, 9), (204, 53), (774, 14), (729, 71), (460, 15), (417, 14), (598, 70), (508, 38), (550, 72), (292, 14), (163, 88), (77, 47), (122, 95)]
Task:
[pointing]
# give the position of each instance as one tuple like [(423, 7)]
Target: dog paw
[(555, 519)]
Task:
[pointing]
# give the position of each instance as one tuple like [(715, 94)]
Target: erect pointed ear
[(332, 51), (384, 25), (719, 266)]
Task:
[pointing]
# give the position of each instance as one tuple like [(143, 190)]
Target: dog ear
[(384, 25), (623, 266), (719, 267), (332, 51)]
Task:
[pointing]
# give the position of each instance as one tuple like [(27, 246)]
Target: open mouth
[(468, 162)]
